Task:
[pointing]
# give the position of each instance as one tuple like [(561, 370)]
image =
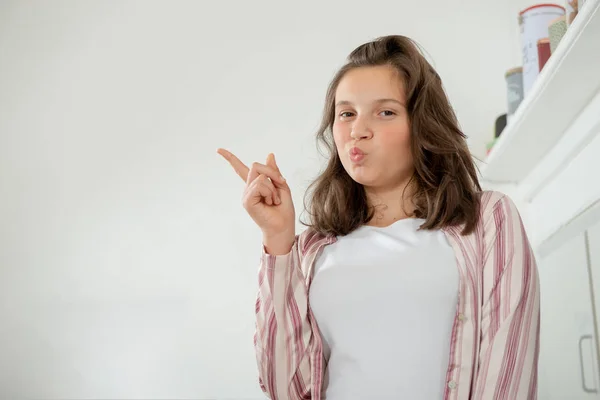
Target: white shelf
[(566, 84)]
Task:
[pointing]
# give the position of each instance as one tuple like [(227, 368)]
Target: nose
[(361, 130)]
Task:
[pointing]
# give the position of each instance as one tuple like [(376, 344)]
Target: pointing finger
[(240, 168)]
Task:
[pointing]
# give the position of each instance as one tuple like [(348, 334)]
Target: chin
[(362, 178), (362, 173)]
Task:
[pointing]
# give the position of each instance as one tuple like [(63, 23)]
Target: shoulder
[(501, 228), (497, 207), (504, 239), (492, 198), (494, 207), (310, 240)]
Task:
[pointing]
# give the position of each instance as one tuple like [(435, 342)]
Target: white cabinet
[(593, 236), (568, 360), (594, 250)]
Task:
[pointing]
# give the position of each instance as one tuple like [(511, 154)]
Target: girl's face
[(371, 128)]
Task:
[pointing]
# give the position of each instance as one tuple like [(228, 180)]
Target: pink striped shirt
[(495, 335)]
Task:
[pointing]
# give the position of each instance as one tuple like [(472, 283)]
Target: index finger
[(240, 168)]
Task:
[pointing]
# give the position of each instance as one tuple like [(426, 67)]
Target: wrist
[(279, 244)]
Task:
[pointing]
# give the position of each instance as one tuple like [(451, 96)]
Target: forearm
[(283, 331)]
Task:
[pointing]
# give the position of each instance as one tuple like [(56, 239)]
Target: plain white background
[(127, 263)]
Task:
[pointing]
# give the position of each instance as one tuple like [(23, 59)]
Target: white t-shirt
[(385, 301)]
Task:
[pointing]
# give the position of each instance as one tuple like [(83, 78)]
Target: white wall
[(127, 265)]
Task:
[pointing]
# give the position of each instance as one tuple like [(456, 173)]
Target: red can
[(543, 47)]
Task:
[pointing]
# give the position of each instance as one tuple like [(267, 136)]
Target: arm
[(510, 320), (283, 332)]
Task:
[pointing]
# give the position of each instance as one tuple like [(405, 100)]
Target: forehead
[(370, 83)]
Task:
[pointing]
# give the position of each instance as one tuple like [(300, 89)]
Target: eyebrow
[(348, 103)]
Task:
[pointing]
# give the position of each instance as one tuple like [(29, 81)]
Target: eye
[(345, 114), (388, 111)]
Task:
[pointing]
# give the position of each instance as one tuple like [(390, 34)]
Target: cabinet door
[(593, 241), (568, 361)]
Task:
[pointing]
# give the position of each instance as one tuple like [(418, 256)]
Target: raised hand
[(267, 198)]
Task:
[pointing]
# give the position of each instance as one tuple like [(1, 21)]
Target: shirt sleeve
[(510, 320), (283, 333)]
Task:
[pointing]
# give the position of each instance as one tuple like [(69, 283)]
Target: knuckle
[(247, 195), (252, 188), (261, 178)]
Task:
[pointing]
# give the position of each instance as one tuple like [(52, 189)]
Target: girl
[(410, 281)]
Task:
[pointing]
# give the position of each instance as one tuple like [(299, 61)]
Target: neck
[(391, 204)]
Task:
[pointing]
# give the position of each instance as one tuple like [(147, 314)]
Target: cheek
[(340, 136), (397, 140), (404, 147)]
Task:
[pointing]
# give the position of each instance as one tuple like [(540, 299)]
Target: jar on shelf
[(572, 8), (556, 30), (514, 90), (543, 46), (533, 23)]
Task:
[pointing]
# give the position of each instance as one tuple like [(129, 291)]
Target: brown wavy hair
[(446, 186)]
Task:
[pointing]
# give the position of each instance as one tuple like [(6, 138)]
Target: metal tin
[(543, 47), (556, 30), (514, 90), (533, 23)]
